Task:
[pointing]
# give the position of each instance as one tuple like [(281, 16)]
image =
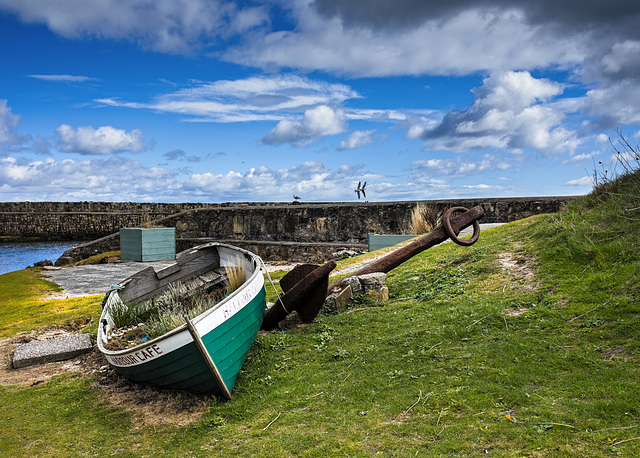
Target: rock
[(57, 349), (44, 263), (340, 299), (356, 286), (378, 295), (344, 299), (63, 261), (373, 281), (344, 254), (374, 286)]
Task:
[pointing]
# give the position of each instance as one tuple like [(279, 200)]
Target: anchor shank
[(436, 236)]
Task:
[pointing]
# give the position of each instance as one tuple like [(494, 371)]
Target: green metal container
[(148, 244), (379, 241)]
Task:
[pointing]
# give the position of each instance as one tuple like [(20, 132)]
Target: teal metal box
[(148, 244), (379, 241)]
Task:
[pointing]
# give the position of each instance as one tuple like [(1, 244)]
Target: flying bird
[(360, 189)]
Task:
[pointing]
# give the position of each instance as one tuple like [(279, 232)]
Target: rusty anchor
[(306, 286), (305, 290)]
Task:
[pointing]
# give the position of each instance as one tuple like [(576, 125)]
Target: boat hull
[(227, 330)]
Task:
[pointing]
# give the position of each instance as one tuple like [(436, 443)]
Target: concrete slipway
[(97, 278)]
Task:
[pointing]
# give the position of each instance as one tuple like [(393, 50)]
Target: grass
[(423, 219), (23, 307), (167, 311), (95, 259), (525, 344)]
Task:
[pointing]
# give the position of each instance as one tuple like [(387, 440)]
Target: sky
[(244, 101)]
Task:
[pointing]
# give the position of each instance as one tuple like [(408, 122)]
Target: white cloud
[(316, 123), (250, 99), (310, 179), (104, 140), (580, 158), (119, 179), (9, 123), (624, 59), (281, 98), (470, 41), (512, 110), (172, 26), (614, 104), (101, 179), (515, 91), (96, 179), (247, 19), (357, 139), (461, 167), (584, 181), (64, 78)]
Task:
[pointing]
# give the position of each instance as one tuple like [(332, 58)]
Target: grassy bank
[(525, 344), (24, 305)]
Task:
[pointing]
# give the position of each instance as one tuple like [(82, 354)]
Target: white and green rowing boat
[(205, 354)]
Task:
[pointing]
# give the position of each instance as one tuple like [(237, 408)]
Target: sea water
[(18, 255)]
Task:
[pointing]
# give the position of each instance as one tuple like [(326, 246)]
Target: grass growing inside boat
[(525, 344), (159, 315), (236, 276)]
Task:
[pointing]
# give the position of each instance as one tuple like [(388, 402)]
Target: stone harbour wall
[(275, 231), (79, 220)]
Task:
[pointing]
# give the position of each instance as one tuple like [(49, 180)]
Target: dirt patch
[(616, 353), (520, 269), (276, 266), (34, 375), (147, 405)]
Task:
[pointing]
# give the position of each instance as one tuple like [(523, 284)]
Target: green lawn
[(23, 306), (525, 344)]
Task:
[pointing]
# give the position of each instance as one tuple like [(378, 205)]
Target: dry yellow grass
[(236, 276), (423, 219)]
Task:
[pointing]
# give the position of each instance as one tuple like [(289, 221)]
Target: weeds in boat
[(236, 277), (157, 316), (124, 315)]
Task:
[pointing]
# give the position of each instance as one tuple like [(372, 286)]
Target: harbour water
[(18, 255)]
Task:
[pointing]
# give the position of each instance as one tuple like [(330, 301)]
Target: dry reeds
[(236, 277), (161, 314), (423, 219)]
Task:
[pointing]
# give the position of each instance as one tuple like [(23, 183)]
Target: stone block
[(373, 281), (378, 295), (340, 299), (45, 351), (344, 299), (354, 283), (330, 302)]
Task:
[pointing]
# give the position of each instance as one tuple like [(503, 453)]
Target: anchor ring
[(446, 221)]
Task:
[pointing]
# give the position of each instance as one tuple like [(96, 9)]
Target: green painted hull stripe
[(228, 345)]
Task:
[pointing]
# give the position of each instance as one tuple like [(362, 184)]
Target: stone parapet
[(273, 230)]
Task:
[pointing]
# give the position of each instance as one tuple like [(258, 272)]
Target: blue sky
[(224, 101)]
